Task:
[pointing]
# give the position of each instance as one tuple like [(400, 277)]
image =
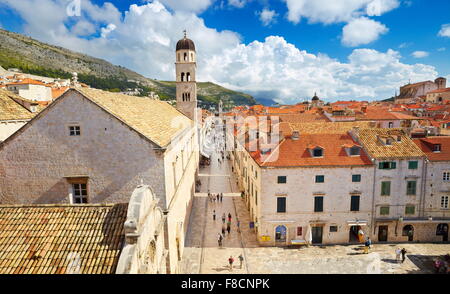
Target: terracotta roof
[(51, 239), (303, 118), (370, 139), (322, 127), (427, 144), (155, 119), (56, 92), (28, 82), (295, 153), (10, 109), (440, 91)]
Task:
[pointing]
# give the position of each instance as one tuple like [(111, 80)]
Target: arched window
[(185, 56), (280, 234), (182, 76), (188, 77)]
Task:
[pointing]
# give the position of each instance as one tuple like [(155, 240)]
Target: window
[(320, 179), (387, 165), (318, 204), (444, 202), (281, 204), (74, 131), (333, 229), (391, 125), (354, 151), (410, 209), (317, 152), (299, 231), (384, 210), (354, 204), (79, 193), (437, 148), (413, 164), (282, 180), (356, 178), (385, 188), (411, 188), (446, 176)]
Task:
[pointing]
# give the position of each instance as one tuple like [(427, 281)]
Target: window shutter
[(393, 165), (380, 165)]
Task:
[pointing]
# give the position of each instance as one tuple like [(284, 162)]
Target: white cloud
[(188, 5), (267, 16), (445, 31), (144, 40), (328, 12), (420, 54), (237, 3), (362, 31), (442, 49)]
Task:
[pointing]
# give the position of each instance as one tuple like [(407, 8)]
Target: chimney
[(295, 135)]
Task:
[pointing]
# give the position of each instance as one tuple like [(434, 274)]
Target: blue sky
[(279, 49)]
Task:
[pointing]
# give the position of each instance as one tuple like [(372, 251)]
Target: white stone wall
[(32, 92), (7, 128), (33, 165), (300, 190), (436, 187)]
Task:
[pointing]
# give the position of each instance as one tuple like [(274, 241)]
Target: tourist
[(218, 197), (214, 215), (223, 230), (403, 255), (230, 261), (238, 224), (223, 217), (228, 228), (219, 239), (221, 197), (241, 259), (229, 217), (397, 254)]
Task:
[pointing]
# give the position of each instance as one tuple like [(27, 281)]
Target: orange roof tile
[(427, 144)]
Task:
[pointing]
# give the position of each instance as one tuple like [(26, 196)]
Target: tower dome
[(315, 98), (185, 44)]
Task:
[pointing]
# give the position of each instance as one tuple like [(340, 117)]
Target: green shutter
[(385, 188), (380, 165), (393, 165)]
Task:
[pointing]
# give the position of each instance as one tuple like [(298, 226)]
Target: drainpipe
[(373, 227)]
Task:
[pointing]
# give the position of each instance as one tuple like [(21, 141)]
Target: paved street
[(202, 254)]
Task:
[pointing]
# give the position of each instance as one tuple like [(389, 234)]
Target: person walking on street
[(219, 239), (230, 261), (241, 259), (229, 217), (217, 196), (238, 224), (223, 217), (228, 229), (214, 215), (397, 254), (223, 230), (403, 255), (221, 197)]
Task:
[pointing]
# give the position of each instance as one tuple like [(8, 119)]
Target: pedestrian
[(241, 259), (403, 255), (223, 230), (228, 229), (223, 218), (238, 224), (214, 215), (229, 217), (366, 247), (397, 254), (218, 197), (219, 240), (221, 197), (230, 261)]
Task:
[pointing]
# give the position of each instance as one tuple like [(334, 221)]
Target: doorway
[(353, 234), (317, 235), (280, 234), (383, 233), (442, 230), (408, 231)]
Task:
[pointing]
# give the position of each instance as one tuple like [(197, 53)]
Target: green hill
[(34, 57)]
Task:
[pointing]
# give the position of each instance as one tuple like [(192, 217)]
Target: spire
[(185, 33)]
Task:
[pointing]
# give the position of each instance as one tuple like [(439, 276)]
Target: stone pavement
[(202, 254)]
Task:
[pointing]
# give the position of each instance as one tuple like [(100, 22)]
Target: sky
[(285, 50)]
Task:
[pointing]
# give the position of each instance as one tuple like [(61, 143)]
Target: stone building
[(31, 89), (398, 182), (439, 96), (436, 208), (92, 146), (13, 115), (413, 92), (186, 67)]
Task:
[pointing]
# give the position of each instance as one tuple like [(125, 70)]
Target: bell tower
[(186, 67)]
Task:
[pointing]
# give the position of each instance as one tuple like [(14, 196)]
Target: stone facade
[(32, 92)]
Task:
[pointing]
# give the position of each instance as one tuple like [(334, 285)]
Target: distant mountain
[(266, 102), (34, 57)]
